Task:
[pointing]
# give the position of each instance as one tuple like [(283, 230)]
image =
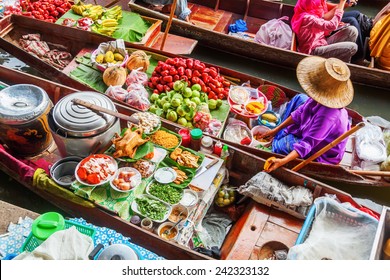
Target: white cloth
[(67, 244)]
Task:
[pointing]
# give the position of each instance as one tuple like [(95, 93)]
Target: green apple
[(195, 93), (182, 121), (187, 92), (196, 87), (176, 102)]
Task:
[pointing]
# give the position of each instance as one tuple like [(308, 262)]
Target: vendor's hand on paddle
[(273, 163)]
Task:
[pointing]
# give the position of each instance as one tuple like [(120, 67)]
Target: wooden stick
[(329, 146), (173, 8), (97, 108), (371, 173), (248, 2)]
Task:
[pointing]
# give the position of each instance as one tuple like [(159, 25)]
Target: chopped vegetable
[(166, 193), (151, 208)]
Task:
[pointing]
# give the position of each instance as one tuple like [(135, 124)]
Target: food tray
[(32, 242), (169, 131), (134, 208), (148, 188)]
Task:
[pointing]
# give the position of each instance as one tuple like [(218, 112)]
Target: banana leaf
[(190, 172)]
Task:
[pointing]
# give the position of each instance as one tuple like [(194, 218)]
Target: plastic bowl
[(167, 226), (134, 180), (110, 160), (63, 171), (103, 67), (259, 129), (189, 199), (266, 123), (178, 211)]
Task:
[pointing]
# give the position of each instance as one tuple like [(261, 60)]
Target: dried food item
[(147, 121), (165, 139), (127, 144), (181, 176), (185, 158), (144, 167)]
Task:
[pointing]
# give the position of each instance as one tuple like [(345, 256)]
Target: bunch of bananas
[(94, 12), (113, 13), (80, 7), (105, 26)]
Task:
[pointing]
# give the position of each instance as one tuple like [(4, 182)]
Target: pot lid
[(118, 252), (22, 103), (79, 121), (46, 224)]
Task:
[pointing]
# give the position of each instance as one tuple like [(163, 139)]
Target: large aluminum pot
[(79, 131), (23, 119)]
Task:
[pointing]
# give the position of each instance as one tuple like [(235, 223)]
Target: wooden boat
[(212, 19), (13, 27), (257, 226)]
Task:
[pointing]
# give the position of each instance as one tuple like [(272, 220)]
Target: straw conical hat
[(326, 81)]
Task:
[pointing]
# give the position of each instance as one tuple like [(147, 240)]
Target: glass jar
[(196, 138), (206, 145), (185, 137)]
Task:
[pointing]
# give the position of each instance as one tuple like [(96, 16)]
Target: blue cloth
[(283, 142), (238, 26)]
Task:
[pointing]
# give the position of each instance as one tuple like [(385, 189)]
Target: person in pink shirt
[(315, 28)]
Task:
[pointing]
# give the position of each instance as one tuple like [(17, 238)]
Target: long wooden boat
[(212, 18), (79, 42), (257, 226)]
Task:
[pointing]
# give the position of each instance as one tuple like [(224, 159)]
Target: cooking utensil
[(114, 252), (205, 168), (97, 108), (168, 231)]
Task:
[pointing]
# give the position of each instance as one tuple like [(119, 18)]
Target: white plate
[(134, 207), (165, 175)]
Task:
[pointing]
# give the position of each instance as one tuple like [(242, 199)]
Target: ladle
[(168, 231)]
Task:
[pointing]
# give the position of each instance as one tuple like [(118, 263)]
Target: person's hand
[(273, 163), (352, 3), (269, 135)]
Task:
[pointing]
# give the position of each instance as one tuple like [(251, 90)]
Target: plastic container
[(258, 130), (206, 145), (225, 153), (186, 137), (218, 148), (24, 111), (196, 138), (135, 220), (147, 224), (32, 242), (47, 224)]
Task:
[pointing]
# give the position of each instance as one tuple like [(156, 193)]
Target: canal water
[(368, 101)]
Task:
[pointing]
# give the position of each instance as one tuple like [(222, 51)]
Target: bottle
[(185, 137), (135, 220), (206, 145), (218, 148), (225, 153), (196, 138)]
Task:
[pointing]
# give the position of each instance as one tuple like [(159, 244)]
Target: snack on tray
[(185, 158), (181, 176), (165, 139)]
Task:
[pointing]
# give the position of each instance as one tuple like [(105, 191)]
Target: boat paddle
[(173, 8)]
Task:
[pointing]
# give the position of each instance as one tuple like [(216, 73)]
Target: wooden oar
[(173, 8), (371, 173), (328, 147), (97, 108)]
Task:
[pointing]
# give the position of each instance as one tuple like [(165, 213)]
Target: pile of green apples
[(179, 105)]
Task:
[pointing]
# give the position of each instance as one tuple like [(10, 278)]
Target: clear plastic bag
[(338, 232), (137, 76), (117, 92), (138, 97), (370, 145)]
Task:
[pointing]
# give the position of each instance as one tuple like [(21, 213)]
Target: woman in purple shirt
[(321, 119)]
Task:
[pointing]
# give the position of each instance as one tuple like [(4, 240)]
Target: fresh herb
[(166, 193), (151, 208)]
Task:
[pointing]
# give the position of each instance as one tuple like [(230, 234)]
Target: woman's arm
[(271, 133), (278, 162), (332, 8)]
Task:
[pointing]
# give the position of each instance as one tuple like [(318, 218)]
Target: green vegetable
[(196, 100), (166, 193), (151, 208), (166, 106)]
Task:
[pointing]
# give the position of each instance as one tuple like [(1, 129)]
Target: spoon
[(168, 231)]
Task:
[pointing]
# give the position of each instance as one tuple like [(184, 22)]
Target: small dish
[(189, 199), (126, 179), (269, 119), (104, 167), (165, 193), (239, 94), (165, 227), (165, 175), (178, 212)]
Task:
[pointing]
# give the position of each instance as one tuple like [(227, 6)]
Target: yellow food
[(118, 57), (100, 58), (165, 139), (255, 107), (269, 117), (138, 59), (114, 76), (109, 57)]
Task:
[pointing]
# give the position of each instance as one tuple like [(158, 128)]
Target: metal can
[(24, 128)]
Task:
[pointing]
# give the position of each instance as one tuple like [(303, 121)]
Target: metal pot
[(114, 252), (78, 130), (23, 119)]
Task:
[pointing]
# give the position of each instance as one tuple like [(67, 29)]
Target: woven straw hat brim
[(326, 81)]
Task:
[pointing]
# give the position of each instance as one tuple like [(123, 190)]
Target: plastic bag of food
[(136, 76), (213, 128), (117, 92), (138, 97), (238, 133), (370, 145), (202, 116)]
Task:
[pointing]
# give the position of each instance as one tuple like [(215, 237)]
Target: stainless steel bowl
[(63, 171)]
